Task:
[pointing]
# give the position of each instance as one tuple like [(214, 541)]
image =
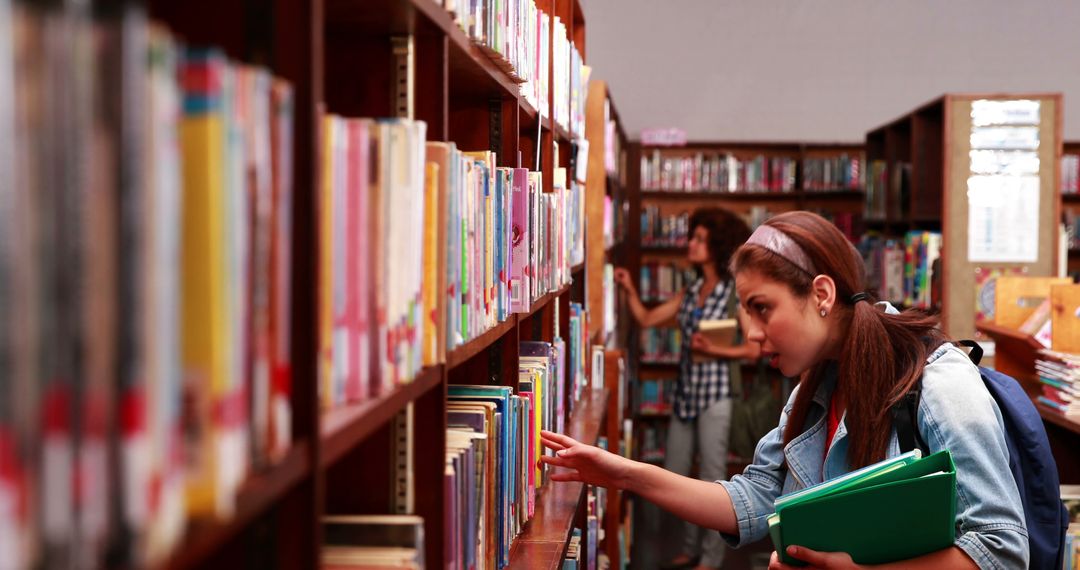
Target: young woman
[(701, 415), (802, 284)]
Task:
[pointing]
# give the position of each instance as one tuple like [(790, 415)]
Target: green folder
[(893, 511)]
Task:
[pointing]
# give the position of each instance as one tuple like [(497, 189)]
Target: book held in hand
[(894, 510), (720, 332)]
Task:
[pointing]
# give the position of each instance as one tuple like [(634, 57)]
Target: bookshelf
[(384, 58), (789, 176), (923, 159)]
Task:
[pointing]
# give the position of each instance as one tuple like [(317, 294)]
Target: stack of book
[(145, 270), (1059, 378)]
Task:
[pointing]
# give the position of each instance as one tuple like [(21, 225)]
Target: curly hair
[(727, 231)]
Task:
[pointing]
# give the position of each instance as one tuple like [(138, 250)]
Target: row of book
[(841, 172), (660, 281), (656, 396), (570, 77), (515, 34), (663, 230), (888, 190), (718, 172), (425, 248), (493, 449), (661, 345), (905, 272), (145, 284), (1072, 227), (1070, 173), (1059, 378)]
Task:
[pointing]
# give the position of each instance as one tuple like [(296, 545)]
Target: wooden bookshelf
[(338, 54), (934, 142), (1015, 354)]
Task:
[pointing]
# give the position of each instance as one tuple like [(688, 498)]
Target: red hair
[(882, 356)]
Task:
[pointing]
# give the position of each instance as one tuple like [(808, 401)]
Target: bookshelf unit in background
[(347, 58), (917, 174), (769, 178)]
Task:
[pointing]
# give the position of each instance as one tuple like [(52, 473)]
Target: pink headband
[(779, 243)]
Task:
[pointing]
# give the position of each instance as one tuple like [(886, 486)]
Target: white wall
[(822, 70)]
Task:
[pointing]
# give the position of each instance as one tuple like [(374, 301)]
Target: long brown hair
[(882, 356)]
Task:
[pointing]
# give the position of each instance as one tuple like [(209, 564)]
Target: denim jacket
[(956, 412)]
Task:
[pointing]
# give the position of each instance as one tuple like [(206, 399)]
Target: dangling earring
[(824, 313)]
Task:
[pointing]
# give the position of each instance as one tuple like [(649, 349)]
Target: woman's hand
[(623, 279), (699, 343), (585, 463), (815, 560)]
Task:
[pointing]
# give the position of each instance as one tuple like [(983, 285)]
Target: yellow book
[(439, 154), (430, 282), (204, 344), (326, 265)]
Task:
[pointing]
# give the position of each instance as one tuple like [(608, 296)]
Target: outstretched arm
[(703, 503)]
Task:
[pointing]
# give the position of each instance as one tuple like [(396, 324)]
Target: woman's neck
[(708, 272)]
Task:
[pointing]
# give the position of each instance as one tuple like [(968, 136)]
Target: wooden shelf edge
[(699, 195), (999, 333), (543, 301), (834, 193), (473, 347), (345, 427), (546, 535), (577, 268), (1058, 419), (257, 494), (663, 249)]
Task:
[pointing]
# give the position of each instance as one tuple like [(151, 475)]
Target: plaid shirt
[(700, 384)]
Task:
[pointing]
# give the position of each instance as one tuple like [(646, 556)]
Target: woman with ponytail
[(803, 286)]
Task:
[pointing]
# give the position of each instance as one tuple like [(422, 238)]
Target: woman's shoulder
[(952, 382)]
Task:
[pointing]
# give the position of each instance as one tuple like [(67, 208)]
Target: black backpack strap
[(905, 418), (975, 352)]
